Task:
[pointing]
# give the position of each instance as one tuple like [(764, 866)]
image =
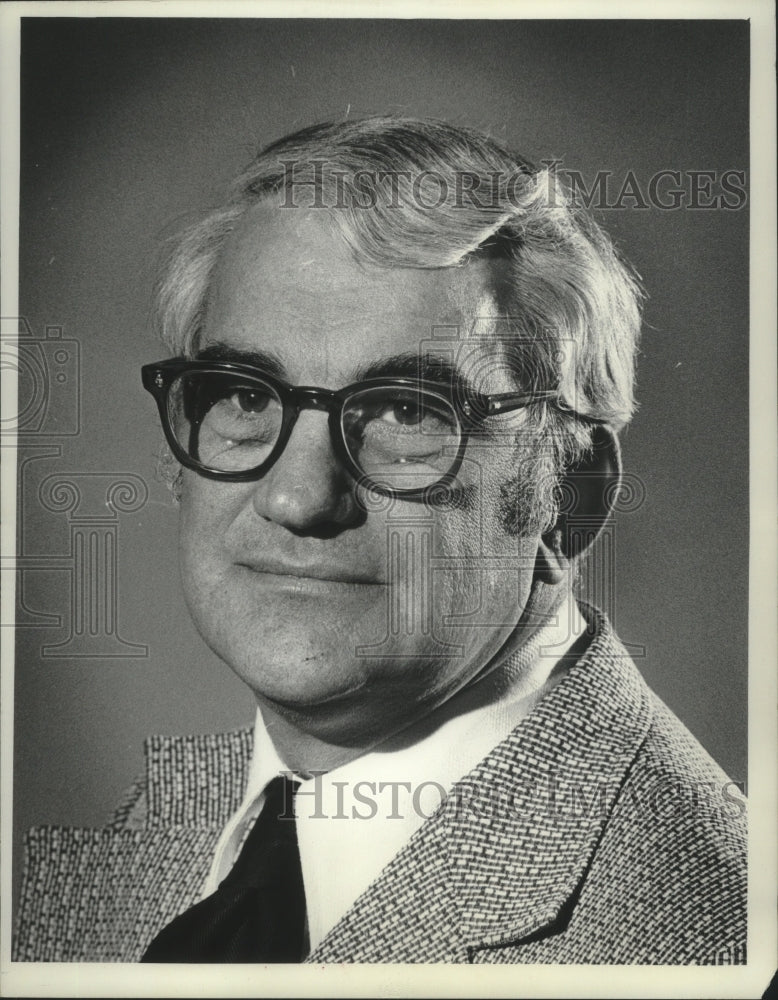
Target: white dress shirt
[(353, 820)]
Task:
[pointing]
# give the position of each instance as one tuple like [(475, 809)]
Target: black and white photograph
[(388, 454)]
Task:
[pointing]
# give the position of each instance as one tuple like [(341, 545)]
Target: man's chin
[(293, 669), (333, 695), (309, 699), (339, 715)]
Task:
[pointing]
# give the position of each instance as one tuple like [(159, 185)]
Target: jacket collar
[(196, 780)]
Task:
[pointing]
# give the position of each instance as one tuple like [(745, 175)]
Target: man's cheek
[(206, 510), (199, 495)]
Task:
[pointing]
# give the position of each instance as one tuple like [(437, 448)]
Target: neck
[(300, 750)]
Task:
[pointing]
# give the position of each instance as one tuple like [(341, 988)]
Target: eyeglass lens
[(403, 438)]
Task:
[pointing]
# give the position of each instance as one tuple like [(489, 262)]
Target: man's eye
[(403, 412), (250, 400)]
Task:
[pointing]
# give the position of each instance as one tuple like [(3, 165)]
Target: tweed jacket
[(599, 831)]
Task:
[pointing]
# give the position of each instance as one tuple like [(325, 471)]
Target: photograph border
[(44, 979)]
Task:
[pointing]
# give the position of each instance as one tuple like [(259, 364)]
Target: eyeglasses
[(398, 436)]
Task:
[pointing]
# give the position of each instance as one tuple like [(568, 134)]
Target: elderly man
[(400, 363)]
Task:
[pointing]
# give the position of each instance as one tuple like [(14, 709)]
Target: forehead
[(288, 284)]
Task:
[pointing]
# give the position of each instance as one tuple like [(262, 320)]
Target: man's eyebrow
[(426, 367), (264, 360)]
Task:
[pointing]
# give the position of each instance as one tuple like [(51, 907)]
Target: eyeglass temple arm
[(504, 402)]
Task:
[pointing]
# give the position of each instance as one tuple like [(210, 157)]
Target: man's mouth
[(314, 572)]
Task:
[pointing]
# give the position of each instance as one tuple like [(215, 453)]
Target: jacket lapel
[(503, 858)]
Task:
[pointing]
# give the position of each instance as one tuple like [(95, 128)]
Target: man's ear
[(589, 491)]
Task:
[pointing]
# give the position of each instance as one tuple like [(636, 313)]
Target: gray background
[(129, 124)]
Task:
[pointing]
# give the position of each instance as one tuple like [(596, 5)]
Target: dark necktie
[(258, 912)]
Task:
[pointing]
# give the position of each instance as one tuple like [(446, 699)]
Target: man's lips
[(326, 573)]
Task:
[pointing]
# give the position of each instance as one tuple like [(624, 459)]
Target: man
[(400, 361)]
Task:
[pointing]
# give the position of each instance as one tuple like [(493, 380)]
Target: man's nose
[(307, 487)]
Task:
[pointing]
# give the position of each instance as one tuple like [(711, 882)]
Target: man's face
[(353, 622)]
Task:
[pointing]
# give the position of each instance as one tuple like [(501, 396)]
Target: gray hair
[(426, 194)]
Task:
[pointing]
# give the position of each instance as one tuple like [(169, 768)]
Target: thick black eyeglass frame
[(470, 411)]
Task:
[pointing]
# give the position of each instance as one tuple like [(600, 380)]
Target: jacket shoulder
[(133, 809), (667, 882), (676, 843), (101, 894)]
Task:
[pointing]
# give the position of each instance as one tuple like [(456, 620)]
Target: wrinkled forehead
[(288, 284)]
